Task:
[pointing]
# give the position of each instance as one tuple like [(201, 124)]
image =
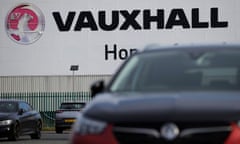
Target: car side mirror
[(20, 112), (97, 87)]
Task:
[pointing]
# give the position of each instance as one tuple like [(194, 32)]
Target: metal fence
[(45, 93), (48, 102)]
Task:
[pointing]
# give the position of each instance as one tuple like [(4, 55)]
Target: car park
[(18, 118), (170, 95), (66, 115)]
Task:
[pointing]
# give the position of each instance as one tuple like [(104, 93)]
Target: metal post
[(73, 79), (73, 68)]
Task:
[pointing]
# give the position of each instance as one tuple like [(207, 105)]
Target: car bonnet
[(166, 106)]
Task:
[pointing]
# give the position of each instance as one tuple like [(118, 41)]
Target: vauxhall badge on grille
[(169, 131)]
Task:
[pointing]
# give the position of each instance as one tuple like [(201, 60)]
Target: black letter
[(102, 20), (214, 19), (130, 20), (114, 52), (172, 20), (147, 19), (89, 23), (59, 21), (133, 51), (195, 20), (123, 54)]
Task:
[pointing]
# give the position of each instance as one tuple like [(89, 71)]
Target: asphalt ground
[(48, 137)]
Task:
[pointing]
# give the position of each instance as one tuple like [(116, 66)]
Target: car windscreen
[(72, 105), (180, 70), (8, 107)]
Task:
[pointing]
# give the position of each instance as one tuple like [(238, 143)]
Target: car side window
[(26, 107), (29, 107)]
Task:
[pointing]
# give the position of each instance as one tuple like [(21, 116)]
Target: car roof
[(191, 47), (11, 100)]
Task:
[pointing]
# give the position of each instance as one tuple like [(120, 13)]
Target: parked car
[(66, 115), (172, 95), (18, 118)]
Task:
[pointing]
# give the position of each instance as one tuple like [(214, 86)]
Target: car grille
[(189, 133)]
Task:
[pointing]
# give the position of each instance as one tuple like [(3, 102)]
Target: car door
[(26, 118), (32, 119)]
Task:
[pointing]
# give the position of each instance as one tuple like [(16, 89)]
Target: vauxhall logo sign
[(25, 23), (146, 19)]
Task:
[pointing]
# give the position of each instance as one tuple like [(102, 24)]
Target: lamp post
[(73, 68)]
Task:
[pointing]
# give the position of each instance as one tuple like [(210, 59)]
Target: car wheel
[(14, 134), (38, 128), (58, 130)]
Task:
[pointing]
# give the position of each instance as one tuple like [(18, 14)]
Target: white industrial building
[(40, 40)]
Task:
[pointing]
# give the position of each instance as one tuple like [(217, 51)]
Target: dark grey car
[(18, 118), (172, 95)]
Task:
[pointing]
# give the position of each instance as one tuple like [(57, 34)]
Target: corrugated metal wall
[(81, 83)]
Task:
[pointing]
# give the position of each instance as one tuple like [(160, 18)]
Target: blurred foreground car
[(18, 118), (66, 115), (172, 95)]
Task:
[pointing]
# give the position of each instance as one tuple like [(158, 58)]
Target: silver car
[(66, 115)]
